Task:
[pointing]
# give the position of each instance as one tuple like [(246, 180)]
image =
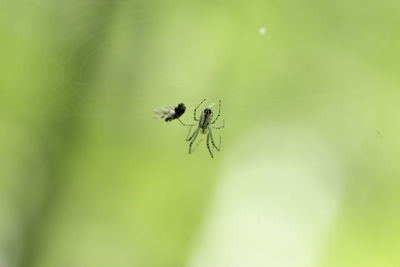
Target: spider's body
[(204, 125), (205, 120)]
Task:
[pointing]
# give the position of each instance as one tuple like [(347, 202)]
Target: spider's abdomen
[(204, 130)]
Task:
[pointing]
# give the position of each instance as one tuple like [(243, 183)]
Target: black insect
[(169, 113)]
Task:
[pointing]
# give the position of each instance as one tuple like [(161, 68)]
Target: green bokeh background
[(88, 178)]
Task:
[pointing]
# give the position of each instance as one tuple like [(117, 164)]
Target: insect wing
[(164, 112)]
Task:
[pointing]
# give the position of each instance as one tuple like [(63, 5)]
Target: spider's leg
[(196, 145), (219, 112), (212, 140), (195, 110), (193, 138), (208, 144), (184, 124), (214, 146), (190, 130), (219, 127), (187, 136)]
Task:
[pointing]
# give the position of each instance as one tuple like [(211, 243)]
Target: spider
[(204, 125)]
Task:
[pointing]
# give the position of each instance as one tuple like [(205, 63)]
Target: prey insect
[(205, 124), (170, 113)]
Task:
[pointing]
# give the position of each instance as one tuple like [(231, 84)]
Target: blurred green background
[(311, 143)]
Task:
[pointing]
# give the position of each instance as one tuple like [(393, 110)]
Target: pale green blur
[(88, 178)]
